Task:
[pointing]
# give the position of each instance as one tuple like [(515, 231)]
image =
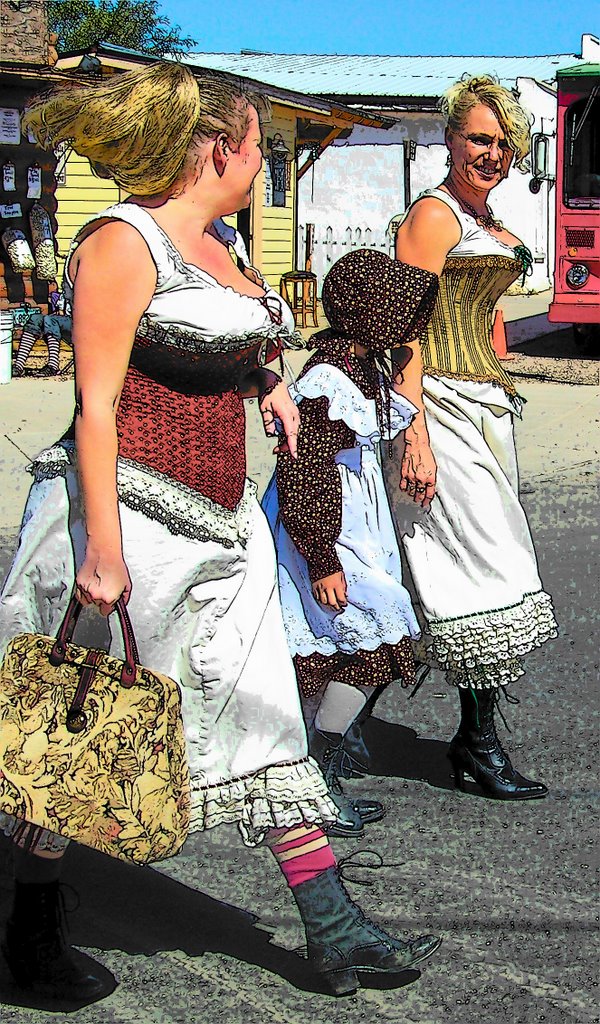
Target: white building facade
[(360, 183)]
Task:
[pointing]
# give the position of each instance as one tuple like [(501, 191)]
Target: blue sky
[(428, 27)]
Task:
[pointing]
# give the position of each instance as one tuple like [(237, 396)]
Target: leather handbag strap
[(67, 628)]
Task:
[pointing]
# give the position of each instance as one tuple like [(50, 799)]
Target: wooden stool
[(299, 289)]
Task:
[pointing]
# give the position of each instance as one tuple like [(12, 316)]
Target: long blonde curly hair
[(138, 127)]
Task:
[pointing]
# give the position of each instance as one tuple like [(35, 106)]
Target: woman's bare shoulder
[(109, 233), (431, 211), (113, 242), (427, 234)]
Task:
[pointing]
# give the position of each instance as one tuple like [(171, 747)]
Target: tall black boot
[(355, 812), (37, 952), (477, 751), (341, 941), (357, 762)]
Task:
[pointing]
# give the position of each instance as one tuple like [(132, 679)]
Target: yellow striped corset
[(459, 335)]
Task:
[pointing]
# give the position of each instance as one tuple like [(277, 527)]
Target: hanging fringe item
[(524, 255), (18, 250), (46, 266)]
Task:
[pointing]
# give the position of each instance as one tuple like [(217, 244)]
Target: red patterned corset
[(196, 440), (181, 415)]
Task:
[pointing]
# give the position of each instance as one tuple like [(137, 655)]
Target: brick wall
[(23, 31)]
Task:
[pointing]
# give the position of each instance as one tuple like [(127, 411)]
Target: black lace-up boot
[(357, 762), (342, 942), (37, 952), (354, 812), (477, 751)]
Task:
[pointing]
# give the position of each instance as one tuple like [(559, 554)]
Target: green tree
[(136, 24)]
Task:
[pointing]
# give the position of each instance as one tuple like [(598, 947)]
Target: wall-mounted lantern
[(281, 168)]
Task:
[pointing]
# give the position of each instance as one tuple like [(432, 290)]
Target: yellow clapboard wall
[(274, 227), (79, 198)]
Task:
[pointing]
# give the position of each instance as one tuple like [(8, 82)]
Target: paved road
[(511, 887)]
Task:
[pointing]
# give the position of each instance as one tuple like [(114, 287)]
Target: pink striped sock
[(302, 852)]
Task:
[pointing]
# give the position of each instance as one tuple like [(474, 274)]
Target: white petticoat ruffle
[(347, 402), (279, 796), (484, 650), (182, 510)]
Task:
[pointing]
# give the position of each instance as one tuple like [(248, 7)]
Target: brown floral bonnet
[(373, 299)]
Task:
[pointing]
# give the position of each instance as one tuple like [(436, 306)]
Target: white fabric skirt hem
[(280, 796), (304, 644), (485, 649)]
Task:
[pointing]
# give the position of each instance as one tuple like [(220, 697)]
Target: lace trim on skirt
[(279, 796), (484, 650), (182, 510)]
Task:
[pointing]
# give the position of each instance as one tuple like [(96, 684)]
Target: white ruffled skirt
[(379, 609), (472, 557), (206, 613)]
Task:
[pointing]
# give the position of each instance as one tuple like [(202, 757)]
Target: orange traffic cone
[(499, 337)]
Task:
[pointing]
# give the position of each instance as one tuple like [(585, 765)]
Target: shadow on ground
[(139, 911), (563, 344), (398, 752)]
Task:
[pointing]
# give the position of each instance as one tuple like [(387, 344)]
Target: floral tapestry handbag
[(92, 747)]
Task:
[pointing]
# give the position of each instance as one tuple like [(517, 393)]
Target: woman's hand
[(418, 472), (278, 404), (102, 580), (331, 591)]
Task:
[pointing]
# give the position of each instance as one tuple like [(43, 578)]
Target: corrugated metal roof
[(347, 75), (286, 93)]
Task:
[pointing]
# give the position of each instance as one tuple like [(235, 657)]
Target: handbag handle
[(67, 628)]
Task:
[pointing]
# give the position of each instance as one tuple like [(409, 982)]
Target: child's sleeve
[(310, 490)]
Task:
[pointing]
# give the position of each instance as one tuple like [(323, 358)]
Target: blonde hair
[(138, 127), (460, 98)]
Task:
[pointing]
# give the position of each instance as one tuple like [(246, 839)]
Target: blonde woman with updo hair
[(146, 499), (471, 557)]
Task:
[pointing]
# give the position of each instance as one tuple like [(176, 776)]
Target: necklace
[(485, 220)]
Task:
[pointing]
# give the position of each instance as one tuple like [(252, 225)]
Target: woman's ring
[(421, 490)]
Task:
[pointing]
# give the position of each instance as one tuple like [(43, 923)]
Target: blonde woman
[(471, 557), (148, 499)]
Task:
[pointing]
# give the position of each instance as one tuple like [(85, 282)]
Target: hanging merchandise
[(34, 181), (10, 124), (268, 185), (19, 252), (8, 210), (9, 181), (46, 266)]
